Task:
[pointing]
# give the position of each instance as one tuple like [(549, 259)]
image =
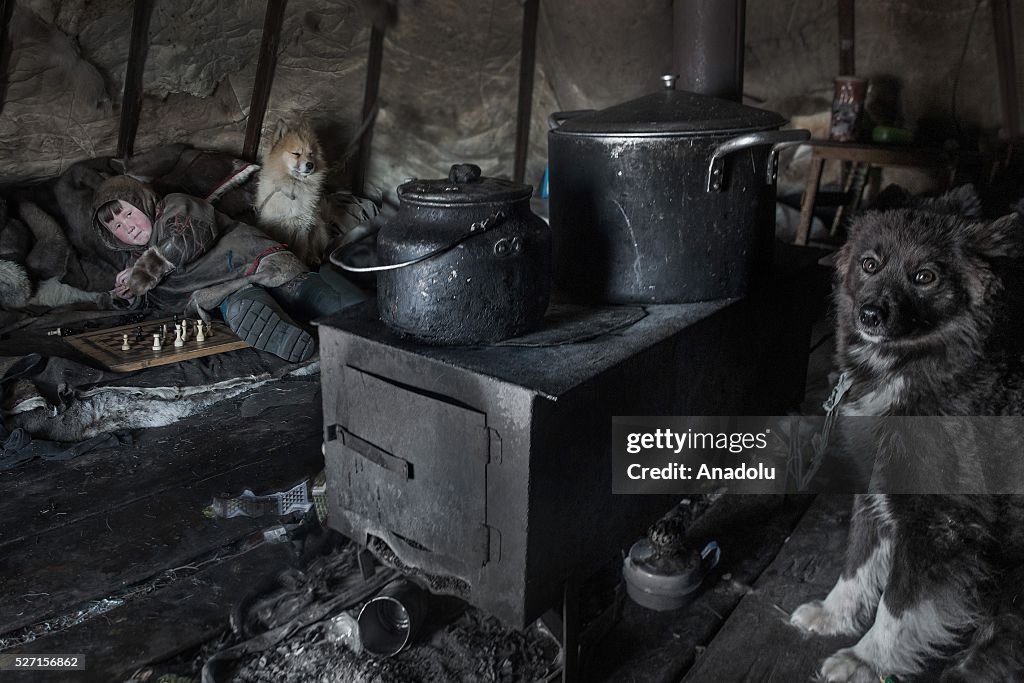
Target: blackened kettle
[(464, 260)]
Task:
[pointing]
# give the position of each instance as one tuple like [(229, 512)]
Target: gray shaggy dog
[(928, 325)]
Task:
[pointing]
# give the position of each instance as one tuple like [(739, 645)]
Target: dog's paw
[(846, 667), (814, 617)]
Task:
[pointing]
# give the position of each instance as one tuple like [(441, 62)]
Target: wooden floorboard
[(659, 647), (128, 527), (756, 644), (44, 576), (162, 624), (42, 496)]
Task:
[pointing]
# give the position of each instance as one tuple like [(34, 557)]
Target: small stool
[(867, 160)]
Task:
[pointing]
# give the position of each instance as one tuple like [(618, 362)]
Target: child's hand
[(121, 284)]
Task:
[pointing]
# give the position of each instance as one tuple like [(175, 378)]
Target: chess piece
[(156, 342), (163, 332), (179, 339), (199, 331), (124, 343), (138, 333), (184, 330)]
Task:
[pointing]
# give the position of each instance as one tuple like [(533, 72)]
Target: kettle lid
[(464, 185), (672, 112)]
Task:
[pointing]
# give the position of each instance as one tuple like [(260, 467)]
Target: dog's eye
[(925, 277), (296, 154), (869, 265)]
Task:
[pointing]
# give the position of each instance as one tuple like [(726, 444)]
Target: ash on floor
[(473, 648), (302, 628)]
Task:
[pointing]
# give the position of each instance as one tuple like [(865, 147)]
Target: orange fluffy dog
[(289, 191)]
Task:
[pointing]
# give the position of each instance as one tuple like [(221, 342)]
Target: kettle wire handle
[(477, 228)]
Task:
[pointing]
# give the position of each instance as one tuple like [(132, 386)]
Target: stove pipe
[(708, 42)]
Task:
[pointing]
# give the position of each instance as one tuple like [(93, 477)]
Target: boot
[(254, 315), (314, 295)]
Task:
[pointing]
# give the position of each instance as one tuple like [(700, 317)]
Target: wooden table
[(867, 159)]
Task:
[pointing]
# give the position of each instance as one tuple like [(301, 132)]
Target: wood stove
[(490, 467)]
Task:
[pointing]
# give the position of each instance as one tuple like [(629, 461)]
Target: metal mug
[(392, 618)]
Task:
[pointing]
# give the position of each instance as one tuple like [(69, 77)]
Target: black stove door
[(414, 463)]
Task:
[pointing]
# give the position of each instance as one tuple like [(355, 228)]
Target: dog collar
[(271, 196), (820, 441), (842, 386)]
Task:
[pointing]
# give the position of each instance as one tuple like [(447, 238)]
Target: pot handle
[(557, 118), (477, 228), (778, 139)]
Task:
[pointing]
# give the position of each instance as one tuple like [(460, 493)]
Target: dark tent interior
[(378, 341)]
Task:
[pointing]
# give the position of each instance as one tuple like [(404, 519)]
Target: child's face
[(130, 225)]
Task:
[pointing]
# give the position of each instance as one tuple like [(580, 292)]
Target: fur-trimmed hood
[(126, 188)]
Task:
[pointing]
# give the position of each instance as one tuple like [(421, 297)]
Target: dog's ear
[(279, 131), (872, 219), (303, 125), (1001, 238), (962, 201)]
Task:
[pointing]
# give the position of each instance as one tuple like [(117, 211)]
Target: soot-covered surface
[(459, 643), (472, 648)]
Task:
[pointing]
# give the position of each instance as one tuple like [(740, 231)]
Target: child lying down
[(189, 257)]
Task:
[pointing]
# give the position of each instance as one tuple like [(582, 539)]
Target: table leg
[(803, 231), (853, 189)]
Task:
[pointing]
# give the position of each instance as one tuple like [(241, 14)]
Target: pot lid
[(671, 113), (464, 185)]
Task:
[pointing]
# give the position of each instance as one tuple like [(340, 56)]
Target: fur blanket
[(51, 256), (64, 400), (46, 233), (114, 408)]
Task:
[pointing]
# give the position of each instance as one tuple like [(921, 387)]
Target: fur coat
[(193, 247)]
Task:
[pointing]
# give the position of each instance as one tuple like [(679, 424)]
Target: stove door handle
[(376, 455)]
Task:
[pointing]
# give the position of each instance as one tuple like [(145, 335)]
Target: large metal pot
[(669, 198), (465, 260)]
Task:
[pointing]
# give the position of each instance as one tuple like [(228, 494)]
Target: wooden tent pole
[(272, 23), (6, 12), (374, 65), (131, 100), (847, 64), (1002, 25), (527, 61)]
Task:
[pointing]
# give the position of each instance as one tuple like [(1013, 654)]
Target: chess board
[(105, 345)]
